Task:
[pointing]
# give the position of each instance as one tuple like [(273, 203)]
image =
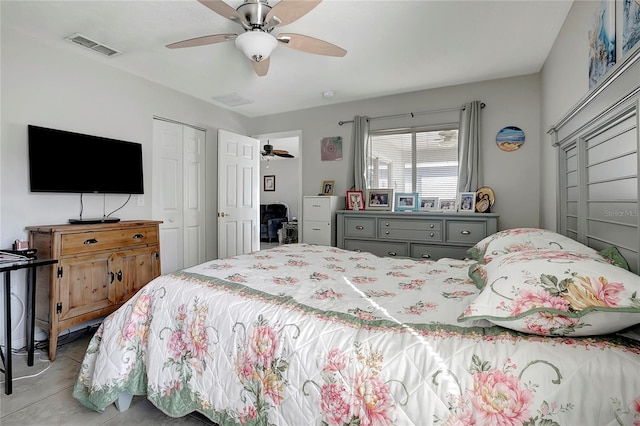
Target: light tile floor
[(46, 399)]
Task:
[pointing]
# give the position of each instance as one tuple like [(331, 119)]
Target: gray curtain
[(360, 137), (469, 166)]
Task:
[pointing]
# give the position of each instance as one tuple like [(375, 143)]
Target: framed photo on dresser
[(379, 199)]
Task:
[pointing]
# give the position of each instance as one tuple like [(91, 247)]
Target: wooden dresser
[(425, 235), (100, 266)]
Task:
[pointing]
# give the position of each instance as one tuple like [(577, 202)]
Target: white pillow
[(556, 293)]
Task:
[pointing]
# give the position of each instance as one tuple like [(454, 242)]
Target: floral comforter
[(313, 335)]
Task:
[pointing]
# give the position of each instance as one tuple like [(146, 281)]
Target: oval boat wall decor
[(510, 138)]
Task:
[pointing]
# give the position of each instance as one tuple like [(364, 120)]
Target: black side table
[(5, 268)]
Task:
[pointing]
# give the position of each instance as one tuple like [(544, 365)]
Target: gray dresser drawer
[(379, 248), (416, 225), (408, 234), (468, 232), (431, 252), (360, 227)]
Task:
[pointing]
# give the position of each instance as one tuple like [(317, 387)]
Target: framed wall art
[(379, 199), (405, 201), (269, 183), (355, 200)]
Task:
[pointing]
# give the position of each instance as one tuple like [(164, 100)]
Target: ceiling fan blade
[(202, 41), (310, 45), (291, 10), (280, 152), (224, 10), (287, 155), (261, 68)]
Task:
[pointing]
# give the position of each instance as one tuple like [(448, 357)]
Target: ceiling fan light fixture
[(256, 45)]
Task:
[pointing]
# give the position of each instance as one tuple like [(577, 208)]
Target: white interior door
[(238, 194), (178, 193), (193, 159)]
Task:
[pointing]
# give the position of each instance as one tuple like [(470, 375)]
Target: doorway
[(286, 172)]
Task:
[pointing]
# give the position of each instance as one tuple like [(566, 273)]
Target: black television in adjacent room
[(62, 161)]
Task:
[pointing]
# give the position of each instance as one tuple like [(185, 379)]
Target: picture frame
[(467, 202), (405, 201), (355, 200), (379, 199), (269, 183), (447, 204), (327, 187), (427, 204)]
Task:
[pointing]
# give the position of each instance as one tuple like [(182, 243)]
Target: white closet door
[(178, 193)]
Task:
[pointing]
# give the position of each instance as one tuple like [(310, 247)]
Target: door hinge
[(59, 308), (59, 272)]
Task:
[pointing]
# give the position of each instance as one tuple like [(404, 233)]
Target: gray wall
[(514, 176)]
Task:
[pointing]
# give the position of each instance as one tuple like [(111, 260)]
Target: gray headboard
[(598, 165)]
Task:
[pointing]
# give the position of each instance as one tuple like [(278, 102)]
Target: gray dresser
[(426, 235)]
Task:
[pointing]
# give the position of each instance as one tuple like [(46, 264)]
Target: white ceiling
[(393, 46)]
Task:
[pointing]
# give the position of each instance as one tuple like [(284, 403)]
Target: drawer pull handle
[(316, 229), (91, 241), (431, 234), (359, 227), (386, 232), (358, 250), (110, 274), (316, 205), (137, 236), (431, 226), (392, 253), (465, 232), (426, 256), (386, 224)]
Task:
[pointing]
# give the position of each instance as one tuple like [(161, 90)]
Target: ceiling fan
[(258, 19), (268, 151)]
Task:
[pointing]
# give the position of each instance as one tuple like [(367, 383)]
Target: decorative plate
[(510, 138), (484, 199)]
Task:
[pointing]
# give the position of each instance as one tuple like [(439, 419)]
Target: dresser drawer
[(360, 227), (416, 225), (467, 232), (408, 234), (75, 243), (426, 251), (379, 248)]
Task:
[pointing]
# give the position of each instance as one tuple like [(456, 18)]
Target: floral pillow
[(556, 293), (519, 239)]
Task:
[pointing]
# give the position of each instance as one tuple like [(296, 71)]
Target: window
[(414, 160)]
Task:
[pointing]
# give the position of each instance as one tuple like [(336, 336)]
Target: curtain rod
[(413, 114)]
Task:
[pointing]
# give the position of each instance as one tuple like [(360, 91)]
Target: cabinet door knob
[(137, 236), (465, 232), (110, 274), (119, 275), (359, 227), (90, 241), (392, 253), (426, 256)]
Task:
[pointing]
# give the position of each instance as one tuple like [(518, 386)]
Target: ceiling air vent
[(83, 41), (233, 99)]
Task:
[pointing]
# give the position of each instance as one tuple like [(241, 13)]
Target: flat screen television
[(62, 161)]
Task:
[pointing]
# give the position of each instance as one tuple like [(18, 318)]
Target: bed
[(305, 334)]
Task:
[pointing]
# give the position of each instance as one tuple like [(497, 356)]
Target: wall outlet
[(140, 200)]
